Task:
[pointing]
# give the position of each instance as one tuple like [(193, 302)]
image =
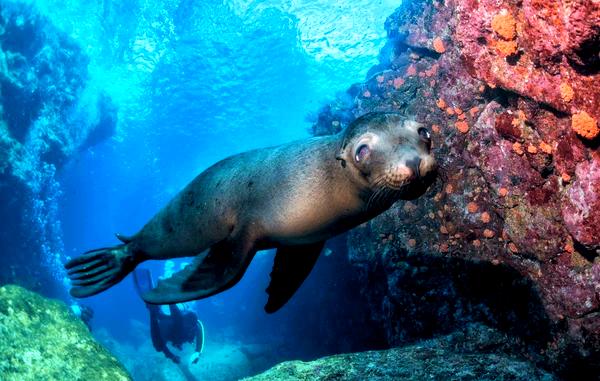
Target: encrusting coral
[(584, 125), (504, 25)]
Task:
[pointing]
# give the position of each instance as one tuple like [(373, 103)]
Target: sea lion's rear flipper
[(222, 268), (97, 270), (292, 265)]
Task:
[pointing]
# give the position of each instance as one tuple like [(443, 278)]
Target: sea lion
[(291, 197)]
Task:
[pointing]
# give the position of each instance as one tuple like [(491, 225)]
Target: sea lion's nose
[(414, 165)]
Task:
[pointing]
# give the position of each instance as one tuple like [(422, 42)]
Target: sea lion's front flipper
[(292, 265), (205, 276)]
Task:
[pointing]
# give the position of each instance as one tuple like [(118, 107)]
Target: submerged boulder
[(40, 339), (446, 358)]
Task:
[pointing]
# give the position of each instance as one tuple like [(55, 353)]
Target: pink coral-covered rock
[(520, 162), (557, 41), (581, 209)]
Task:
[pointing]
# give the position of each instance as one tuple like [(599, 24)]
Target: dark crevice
[(424, 52), (586, 59), (587, 253), (514, 58)]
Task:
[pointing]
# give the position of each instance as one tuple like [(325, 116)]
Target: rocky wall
[(510, 233), (47, 114)]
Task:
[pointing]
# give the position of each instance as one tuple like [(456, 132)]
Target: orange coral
[(435, 128), (487, 233), (412, 70), (472, 207), (532, 149), (504, 25), (546, 148), (485, 217), (441, 103), (502, 192), (412, 242), (518, 148), (565, 177), (398, 82), (506, 48), (584, 125), (462, 127), (449, 188), (566, 92), (473, 111), (512, 247), (367, 94), (432, 70), (438, 45)]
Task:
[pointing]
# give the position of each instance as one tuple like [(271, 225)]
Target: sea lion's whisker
[(377, 185)]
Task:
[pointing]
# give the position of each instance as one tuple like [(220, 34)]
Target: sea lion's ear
[(341, 159), (340, 154)]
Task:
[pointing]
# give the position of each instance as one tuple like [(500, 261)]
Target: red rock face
[(519, 187)]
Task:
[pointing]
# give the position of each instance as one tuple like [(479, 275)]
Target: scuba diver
[(174, 323), (84, 313)]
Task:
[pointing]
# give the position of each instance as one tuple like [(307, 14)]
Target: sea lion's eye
[(361, 153), (424, 134)]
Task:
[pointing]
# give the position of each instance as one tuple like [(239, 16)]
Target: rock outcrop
[(453, 357), (510, 234), (40, 339)]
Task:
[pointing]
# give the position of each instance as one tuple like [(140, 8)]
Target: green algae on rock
[(40, 339), (444, 358)]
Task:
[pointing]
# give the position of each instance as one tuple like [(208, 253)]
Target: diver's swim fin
[(142, 280), (205, 276), (97, 270), (292, 265)]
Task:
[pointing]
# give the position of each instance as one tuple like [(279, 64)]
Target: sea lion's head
[(389, 154)]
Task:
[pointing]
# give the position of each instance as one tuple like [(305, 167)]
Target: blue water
[(194, 82)]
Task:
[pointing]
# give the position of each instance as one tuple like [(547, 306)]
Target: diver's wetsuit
[(179, 327)]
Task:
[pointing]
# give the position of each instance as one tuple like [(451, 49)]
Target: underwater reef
[(510, 234), (47, 115), (41, 339), (452, 357)]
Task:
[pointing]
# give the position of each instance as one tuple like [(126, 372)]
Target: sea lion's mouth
[(399, 184), (388, 188), (399, 177)]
